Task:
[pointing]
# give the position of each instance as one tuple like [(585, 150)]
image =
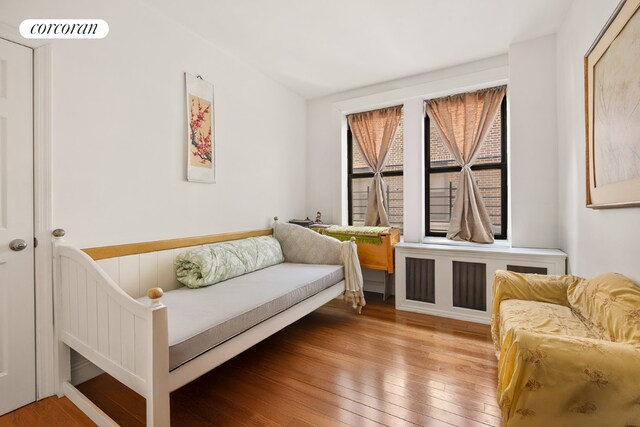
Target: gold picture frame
[(612, 110)]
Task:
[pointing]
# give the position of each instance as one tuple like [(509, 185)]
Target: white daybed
[(153, 348)]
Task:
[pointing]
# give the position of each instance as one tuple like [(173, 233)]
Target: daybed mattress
[(201, 319)]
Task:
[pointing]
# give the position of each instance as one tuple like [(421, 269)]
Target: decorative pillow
[(610, 303), (305, 246), (209, 264)]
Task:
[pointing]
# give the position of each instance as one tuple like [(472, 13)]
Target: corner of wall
[(533, 142)]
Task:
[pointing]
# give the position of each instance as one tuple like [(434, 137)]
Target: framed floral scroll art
[(612, 96), (200, 130)]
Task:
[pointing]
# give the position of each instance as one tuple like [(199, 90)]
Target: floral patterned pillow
[(610, 304), (209, 264)]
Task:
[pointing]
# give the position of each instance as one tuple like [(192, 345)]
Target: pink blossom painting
[(200, 130)]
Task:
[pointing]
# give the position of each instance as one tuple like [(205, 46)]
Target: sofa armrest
[(558, 379)]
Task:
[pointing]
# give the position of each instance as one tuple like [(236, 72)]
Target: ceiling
[(327, 46)]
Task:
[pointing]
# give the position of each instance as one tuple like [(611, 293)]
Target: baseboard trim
[(481, 318), (83, 370)]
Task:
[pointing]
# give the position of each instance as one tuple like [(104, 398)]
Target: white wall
[(596, 240), (533, 142), (119, 131), (533, 136)]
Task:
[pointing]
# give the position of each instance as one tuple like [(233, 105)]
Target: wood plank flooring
[(333, 367)]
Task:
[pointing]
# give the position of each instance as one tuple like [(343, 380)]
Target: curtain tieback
[(467, 167)]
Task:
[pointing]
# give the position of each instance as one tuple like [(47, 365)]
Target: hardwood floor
[(46, 412), (333, 367)]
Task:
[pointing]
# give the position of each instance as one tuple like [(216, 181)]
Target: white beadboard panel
[(127, 343), (73, 297), (140, 341), (92, 313), (111, 266), (130, 275), (64, 274), (82, 304), (103, 321), (166, 273), (178, 251), (148, 272), (136, 274), (115, 335)]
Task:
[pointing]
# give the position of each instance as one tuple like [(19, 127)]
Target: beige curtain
[(374, 132), (463, 122)]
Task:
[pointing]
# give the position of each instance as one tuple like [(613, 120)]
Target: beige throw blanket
[(352, 274), (302, 245)]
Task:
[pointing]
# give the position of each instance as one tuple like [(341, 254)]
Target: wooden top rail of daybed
[(162, 245)]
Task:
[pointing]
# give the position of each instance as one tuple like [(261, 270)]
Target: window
[(490, 171), (360, 176)]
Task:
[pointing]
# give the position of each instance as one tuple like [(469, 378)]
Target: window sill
[(446, 242), (440, 246)]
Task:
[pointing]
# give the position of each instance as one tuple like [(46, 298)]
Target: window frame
[(502, 166), (351, 175)]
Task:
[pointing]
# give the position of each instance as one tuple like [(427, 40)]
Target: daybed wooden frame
[(129, 340)]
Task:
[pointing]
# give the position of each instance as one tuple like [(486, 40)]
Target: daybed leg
[(63, 354), (158, 410), (158, 404), (64, 366)]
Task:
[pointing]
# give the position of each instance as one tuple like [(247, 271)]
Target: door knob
[(17, 245)]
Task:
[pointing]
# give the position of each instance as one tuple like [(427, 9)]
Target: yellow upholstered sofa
[(568, 349)]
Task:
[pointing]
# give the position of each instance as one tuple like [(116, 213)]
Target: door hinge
[(35, 242)]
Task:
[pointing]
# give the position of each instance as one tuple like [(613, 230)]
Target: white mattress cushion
[(200, 319)]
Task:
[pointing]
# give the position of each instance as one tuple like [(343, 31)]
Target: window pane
[(490, 152), (439, 154), (394, 198), (491, 149), (443, 187), (361, 188), (490, 185), (359, 164), (441, 196)]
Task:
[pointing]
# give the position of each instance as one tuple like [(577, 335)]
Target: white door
[(17, 333)]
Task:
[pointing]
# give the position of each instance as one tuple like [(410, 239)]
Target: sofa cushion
[(541, 317), (610, 303), (209, 264), (200, 319), (509, 285)]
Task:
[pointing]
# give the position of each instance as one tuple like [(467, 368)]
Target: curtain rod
[(462, 93), (377, 109)]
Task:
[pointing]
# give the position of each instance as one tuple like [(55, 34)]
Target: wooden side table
[(379, 256)]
